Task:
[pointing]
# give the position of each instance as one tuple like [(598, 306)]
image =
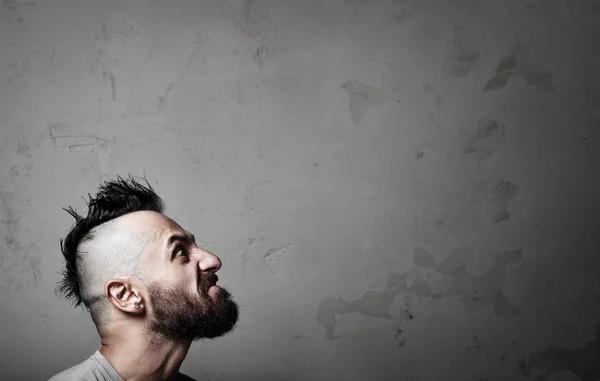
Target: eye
[(179, 250)]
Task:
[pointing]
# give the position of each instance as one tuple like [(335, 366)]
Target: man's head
[(127, 260)]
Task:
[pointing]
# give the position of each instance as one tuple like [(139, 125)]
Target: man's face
[(185, 302)]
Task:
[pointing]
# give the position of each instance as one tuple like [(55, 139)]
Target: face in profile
[(185, 301)]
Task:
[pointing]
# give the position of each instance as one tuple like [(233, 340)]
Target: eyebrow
[(187, 238)]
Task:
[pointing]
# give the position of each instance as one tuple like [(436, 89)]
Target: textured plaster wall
[(399, 190)]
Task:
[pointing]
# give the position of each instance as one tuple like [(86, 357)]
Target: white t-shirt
[(96, 368)]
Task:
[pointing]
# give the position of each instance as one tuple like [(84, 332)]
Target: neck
[(135, 355)]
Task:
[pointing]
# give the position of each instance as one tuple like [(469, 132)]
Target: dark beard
[(179, 315)]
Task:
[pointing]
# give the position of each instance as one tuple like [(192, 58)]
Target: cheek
[(179, 276)]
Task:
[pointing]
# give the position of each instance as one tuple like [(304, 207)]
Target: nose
[(208, 261)]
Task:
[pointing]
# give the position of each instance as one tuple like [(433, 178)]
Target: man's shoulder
[(88, 370), (79, 373), (74, 373), (92, 369)]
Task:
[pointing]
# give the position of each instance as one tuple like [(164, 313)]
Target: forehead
[(156, 226)]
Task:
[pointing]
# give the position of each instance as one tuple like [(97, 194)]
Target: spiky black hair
[(114, 199)]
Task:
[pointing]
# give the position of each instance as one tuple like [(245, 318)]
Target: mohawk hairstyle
[(114, 199)]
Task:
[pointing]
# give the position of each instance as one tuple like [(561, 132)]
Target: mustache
[(208, 280)]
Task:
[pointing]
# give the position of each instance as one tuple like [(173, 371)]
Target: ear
[(124, 294)]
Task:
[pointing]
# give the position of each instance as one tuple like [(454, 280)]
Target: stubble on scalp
[(111, 250)]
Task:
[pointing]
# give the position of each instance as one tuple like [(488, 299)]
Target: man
[(150, 289)]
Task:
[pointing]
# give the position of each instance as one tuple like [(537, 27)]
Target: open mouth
[(211, 283)]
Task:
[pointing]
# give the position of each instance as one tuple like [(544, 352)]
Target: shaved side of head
[(111, 250)]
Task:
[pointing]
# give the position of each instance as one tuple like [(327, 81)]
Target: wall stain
[(582, 361), (65, 141), (160, 101), (261, 56), (11, 5), (197, 42), (274, 256), (476, 346), (401, 16), (256, 22), (36, 270), (274, 250), (371, 303), (400, 338), (23, 148), (250, 18), (113, 85), (14, 5), (480, 144), (13, 172), (362, 98), (18, 264), (23, 267), (515, 64), (504, 191), (461, 59), (406, 12), (11, 222), (124, 38), (474, 291)]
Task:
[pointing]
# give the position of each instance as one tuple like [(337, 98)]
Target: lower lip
[(213, 290)]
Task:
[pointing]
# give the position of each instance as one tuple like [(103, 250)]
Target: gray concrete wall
[(399, 190)]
